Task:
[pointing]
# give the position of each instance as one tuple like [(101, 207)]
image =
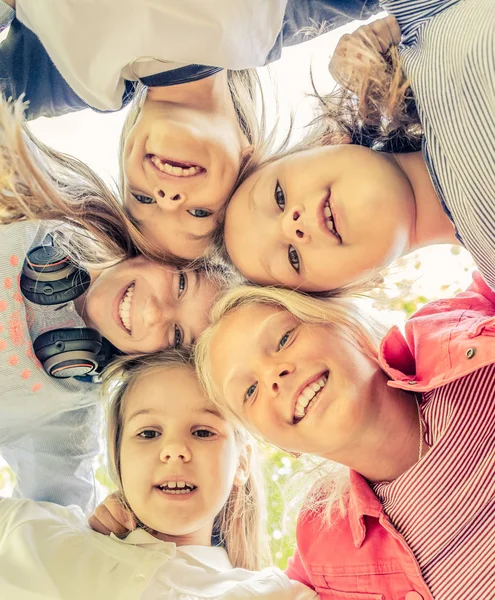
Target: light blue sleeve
[(55, 463)]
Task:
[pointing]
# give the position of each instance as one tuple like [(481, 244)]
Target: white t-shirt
[(98, 44), (47, 552)]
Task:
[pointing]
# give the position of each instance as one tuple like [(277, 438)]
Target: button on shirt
[(48, 552)]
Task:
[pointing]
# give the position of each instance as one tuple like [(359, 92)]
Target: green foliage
[(279, 467)]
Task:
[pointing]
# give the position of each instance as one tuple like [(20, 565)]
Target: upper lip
[(320, 216), (300, 389)]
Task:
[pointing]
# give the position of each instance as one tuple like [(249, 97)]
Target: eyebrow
[(150, 411)]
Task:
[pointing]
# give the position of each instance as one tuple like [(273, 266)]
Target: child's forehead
[(173, 390)]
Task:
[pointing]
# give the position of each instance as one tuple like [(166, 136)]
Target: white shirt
[(47, 425), (47, 552), (98, 44)]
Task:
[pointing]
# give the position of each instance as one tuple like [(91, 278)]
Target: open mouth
[(329, 220), (176, 488), (125, 307), (308, 398), (175, 168)]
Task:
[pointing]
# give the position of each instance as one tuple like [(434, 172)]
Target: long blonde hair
[(39, 183), (342, 314), (240, 525)]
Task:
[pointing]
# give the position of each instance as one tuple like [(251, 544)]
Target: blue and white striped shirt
[(448, 52)]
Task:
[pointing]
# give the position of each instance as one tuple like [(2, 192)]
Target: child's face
[(278, 228), (172, 437), (141, 306), (181, 165), (304, 388)]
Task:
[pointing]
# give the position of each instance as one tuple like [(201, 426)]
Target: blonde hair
[(240, 523), (248, 100), (38, 183), (342, 314)]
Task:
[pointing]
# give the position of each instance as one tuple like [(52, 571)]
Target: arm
[(306, 19), (295, 570), (55, 462), (26, 68)]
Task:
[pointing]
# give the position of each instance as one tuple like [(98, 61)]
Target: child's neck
[(432, 225), (195, 538), (210, 94)]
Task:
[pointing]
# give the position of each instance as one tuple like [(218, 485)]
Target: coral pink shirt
[(362, 556)]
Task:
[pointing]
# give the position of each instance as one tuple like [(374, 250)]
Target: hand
[(356, 52), (111, 517)]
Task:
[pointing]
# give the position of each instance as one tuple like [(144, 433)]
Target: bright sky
[(93, 138)]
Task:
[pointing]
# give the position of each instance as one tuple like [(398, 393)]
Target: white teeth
[(125, 308), (308, 393), (307, 397), (176, 485), (165, 167), (329, 217)]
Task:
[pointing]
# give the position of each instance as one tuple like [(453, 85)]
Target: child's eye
[(144, 199), (203, 433), (148, 434), (279, 196), (199, 213), (178, 337), (284, 339), (249, 392), (293, 258), (182, 283)]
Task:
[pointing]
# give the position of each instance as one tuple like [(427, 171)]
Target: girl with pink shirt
[(407, 426)]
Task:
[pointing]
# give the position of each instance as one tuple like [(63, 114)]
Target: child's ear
[(246, 154), (244, 466)]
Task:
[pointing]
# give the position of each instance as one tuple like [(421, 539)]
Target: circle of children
[(211, 303)]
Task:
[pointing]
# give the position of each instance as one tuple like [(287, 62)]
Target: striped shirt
[(444, 506), (448, 52)]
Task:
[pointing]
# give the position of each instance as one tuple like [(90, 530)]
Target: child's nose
[(294, 225), (154, 312), (169, 199)]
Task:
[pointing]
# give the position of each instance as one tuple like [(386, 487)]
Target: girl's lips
[(116, 305), (302, 387), (176, 497), (322, 222), (153, 160), (335, 215)]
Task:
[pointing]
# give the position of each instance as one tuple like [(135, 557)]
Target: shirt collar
[(140, 537), (362, 503), (214, 558)]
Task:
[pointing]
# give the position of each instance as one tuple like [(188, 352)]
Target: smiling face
[(320, 219), (141, 306), (304, 388), (178, 457), (181, 164)]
